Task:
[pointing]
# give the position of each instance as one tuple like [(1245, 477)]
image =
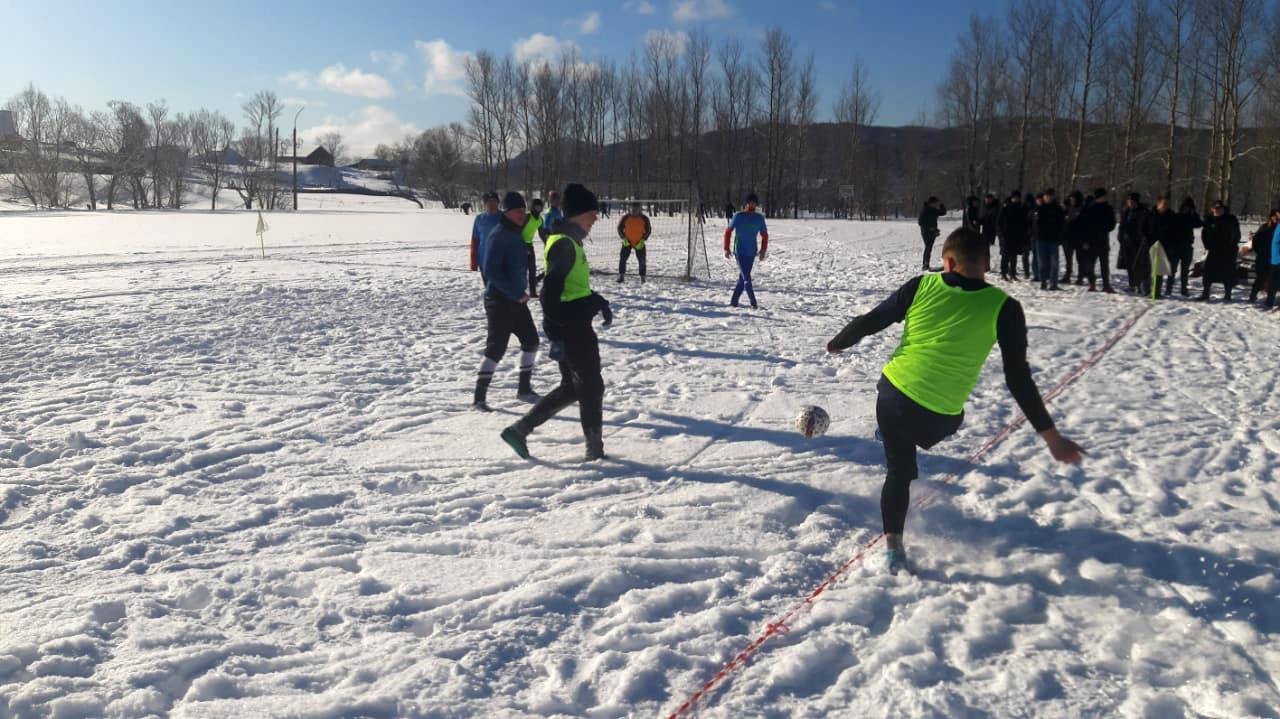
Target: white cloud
[(539, 47), (445, 68), (639, 7), (300, 80), (363, 130), (393, 60), (695, 10), (679, 39), (590, 24), (301, 102), (354, 82)]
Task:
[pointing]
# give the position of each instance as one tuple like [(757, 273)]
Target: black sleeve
[(559, 261), (1011, 333), (893, 309)]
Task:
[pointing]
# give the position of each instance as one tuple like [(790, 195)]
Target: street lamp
[(295, 157)]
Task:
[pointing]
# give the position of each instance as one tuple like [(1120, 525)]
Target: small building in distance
[(318, 156)]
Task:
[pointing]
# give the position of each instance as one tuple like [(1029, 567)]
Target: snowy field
[(235, 487)]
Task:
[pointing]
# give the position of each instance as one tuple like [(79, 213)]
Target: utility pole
[(295, 157)]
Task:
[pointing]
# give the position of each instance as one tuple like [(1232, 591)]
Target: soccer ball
[(813, 421)]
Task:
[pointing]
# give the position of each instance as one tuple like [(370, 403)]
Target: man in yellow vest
[(568, 307), (634, 229), (532, 227), (953, 319)]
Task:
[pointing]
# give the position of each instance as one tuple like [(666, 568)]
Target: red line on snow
[(783, 624)]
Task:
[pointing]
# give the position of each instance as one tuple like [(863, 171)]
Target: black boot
[(595, 445), (525, 391), (479, 403), (515, 437)]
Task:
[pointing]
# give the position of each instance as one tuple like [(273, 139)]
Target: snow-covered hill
[(236, 487)]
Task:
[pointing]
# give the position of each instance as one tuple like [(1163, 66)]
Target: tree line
[(1159, 96)]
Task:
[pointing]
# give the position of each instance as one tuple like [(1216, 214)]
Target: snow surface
[(235, 487)]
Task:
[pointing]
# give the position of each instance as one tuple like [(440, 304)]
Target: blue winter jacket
[(506, 261), (480, 229), (747, 228)]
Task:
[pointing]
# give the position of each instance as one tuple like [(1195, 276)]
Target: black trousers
[(626, 254), (580, 381), (904, 426), (1261, 272), (1180, 259), (1097, 252), (929, 236), (506, 318), (1273, 284), (533, 272)]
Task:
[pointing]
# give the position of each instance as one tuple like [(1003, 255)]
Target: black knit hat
[(579, 200), (513, 201), (490, 195), (753, 199)]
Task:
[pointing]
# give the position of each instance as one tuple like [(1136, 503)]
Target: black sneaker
[(481, 407)]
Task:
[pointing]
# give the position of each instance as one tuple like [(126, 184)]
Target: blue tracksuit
[(480, 229), (750, 237)]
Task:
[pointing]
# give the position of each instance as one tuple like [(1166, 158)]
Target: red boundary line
[(784, 622)]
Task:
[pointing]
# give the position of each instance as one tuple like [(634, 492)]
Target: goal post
[(676, 246)]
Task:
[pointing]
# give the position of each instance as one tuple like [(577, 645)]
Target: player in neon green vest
[(532, 225), (568, 308), (953, 319)]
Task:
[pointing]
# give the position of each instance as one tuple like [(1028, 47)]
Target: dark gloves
[(606, 312)]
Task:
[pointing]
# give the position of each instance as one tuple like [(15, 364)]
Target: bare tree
[(211, 140), (858, 106), (1028, 23), (806, 109), (481, 71), (333, 144), (778, 71), (1233, 29), (44, 128), (86, 140), (259, 146), (436, 161), (1089, 20), (158, 112)]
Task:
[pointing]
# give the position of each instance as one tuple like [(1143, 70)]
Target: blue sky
[(389, 68)]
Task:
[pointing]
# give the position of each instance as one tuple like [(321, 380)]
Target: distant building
[(318, 156), (375, 165), (7, 128), (229, 157)]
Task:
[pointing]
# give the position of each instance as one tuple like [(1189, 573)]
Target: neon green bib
[(531, 228), (949, 333), (578, 284)]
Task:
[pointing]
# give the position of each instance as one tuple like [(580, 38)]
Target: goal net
[(676, 247)]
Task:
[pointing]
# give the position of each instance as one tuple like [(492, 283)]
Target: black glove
[(557, 350), (606, 312)]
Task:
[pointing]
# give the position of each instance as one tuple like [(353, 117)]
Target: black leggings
[(905, 425), (580, 381), (929, 236), (626, 254)]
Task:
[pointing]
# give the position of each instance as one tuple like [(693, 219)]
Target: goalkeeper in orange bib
[(952, 321), (634, 229)]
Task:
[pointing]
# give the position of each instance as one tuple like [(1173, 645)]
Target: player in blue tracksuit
[(484, 223), (740, 242), (551, 217)]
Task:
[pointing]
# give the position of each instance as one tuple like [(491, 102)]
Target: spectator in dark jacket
[(1221, 239), (1098, 219), (1011, 226), (988, 219), (1161, 227), (972, 213), (1182, 251), (1074, 237), (1261, 241), (1132, 220), (1049, 225), (928, 222)]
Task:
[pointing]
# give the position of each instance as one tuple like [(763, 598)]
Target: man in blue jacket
[(480, 229), (553, 217), (506, 298), (748, 226)]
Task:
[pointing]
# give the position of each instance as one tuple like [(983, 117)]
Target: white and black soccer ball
[(813, 421)]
